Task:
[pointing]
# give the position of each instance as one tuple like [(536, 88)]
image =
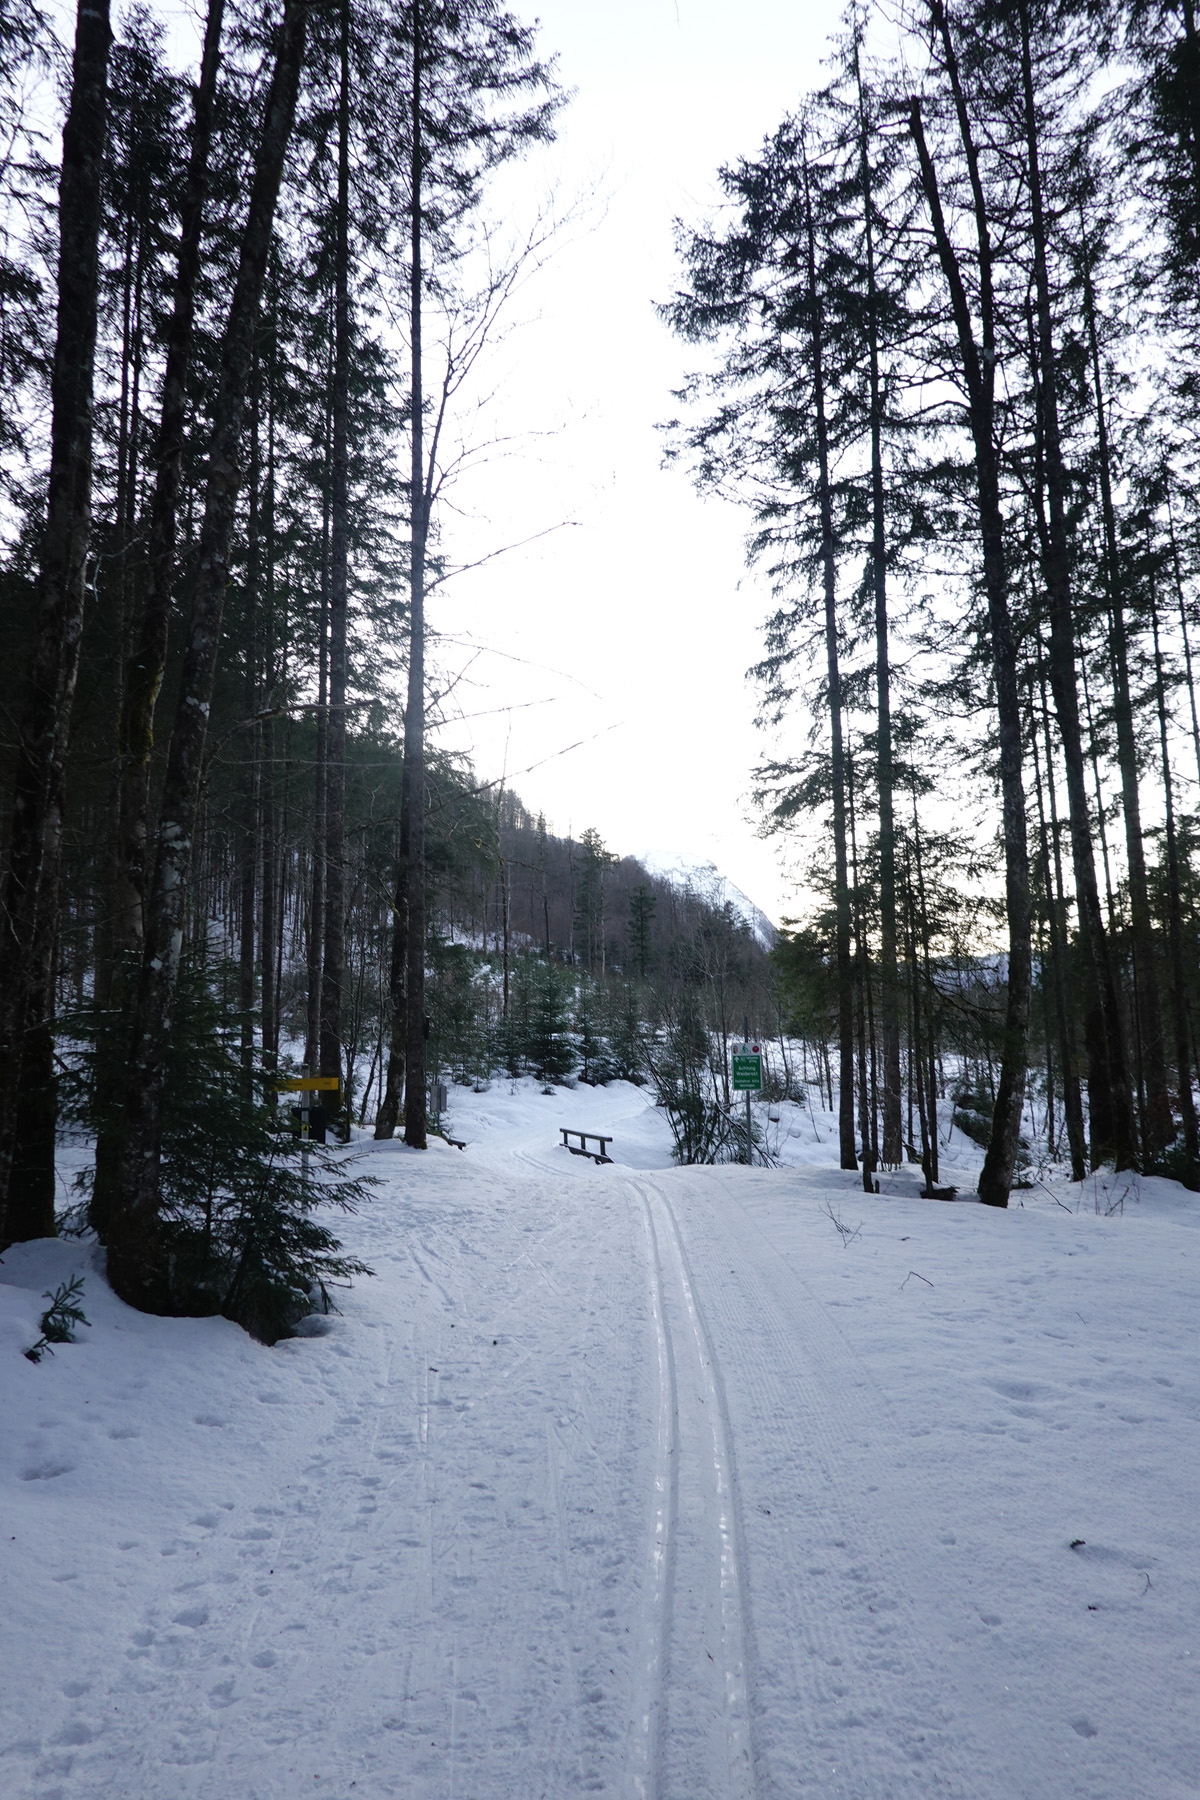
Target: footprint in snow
[(1084, 1727), (192, 1616), (77, 1732)]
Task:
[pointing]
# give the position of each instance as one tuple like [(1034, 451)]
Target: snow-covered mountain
[(705, 879)]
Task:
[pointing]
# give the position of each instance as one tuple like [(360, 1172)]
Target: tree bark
[(393, 1094), (1056, 916), (1181, 596), (837, 759), (1109, 1101), (892, 1150), (272, 913), (413, 773), (862, 971), (1183, 1035), (930, 1073), (316, 914), (979, 372), (45, 718), (31, 1187), (136, 1264), (248, 849), (333, 971), (143, 672)]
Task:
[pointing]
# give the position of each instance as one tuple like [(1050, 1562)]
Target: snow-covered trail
[(691, 1715), (628, 1480)]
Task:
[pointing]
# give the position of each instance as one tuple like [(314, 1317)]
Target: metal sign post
[(747, 1079), (306, 1085)]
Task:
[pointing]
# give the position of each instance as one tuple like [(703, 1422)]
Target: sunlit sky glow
[(630, 628)]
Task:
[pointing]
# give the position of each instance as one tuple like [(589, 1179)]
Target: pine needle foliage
[(241, 1198), (60, 1318)]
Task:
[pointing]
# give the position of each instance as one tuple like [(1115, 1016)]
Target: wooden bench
[(581, 1148)]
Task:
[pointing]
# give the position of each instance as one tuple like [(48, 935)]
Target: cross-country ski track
[(629, 1480)]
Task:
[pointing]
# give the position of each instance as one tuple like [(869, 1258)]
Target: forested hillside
[(945, 331)]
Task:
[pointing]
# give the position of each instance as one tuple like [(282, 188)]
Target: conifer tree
[(137, 1265), (29, 886), (978, 368)]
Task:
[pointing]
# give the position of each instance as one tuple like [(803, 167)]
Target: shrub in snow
[(60, 1318), (240, 1198), (686, 1067)]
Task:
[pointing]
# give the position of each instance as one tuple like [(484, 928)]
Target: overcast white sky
[(632, 628)]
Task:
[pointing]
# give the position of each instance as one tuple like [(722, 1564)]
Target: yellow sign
[(309, 1084)]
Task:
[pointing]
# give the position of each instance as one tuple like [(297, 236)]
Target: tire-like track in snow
[(690, 1731)]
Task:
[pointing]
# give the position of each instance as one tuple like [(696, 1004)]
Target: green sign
[(747, 1071)]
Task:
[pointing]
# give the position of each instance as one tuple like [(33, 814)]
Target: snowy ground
[(629, 1481)]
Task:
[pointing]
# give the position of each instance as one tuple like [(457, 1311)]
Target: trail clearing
[(628, 1480)]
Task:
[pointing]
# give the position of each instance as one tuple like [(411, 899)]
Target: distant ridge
[(705, 879)]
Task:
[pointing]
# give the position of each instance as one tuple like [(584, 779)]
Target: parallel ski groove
[(669, 1266), (867, 1659), (642, 1771)]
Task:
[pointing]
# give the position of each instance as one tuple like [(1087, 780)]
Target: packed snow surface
[(625, 1480)]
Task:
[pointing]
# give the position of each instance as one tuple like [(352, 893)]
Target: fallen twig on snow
[(846, 1232)]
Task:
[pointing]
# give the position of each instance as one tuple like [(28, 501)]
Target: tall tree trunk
[(137, 1266), (45, 718), (144, 670), (393, 1094), (929, 1073), (248, 848), (316, 914), (333, 972), (413, 773), (271, 915), (1056, 916), (31, 1187), (916, 1047), (126, 508), (1183, 617), (892, 1150), (1109, 1099), (1183, 1057), (1191, 73), (979, 370), (862, 984), (837, 760), (1093, 753)]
